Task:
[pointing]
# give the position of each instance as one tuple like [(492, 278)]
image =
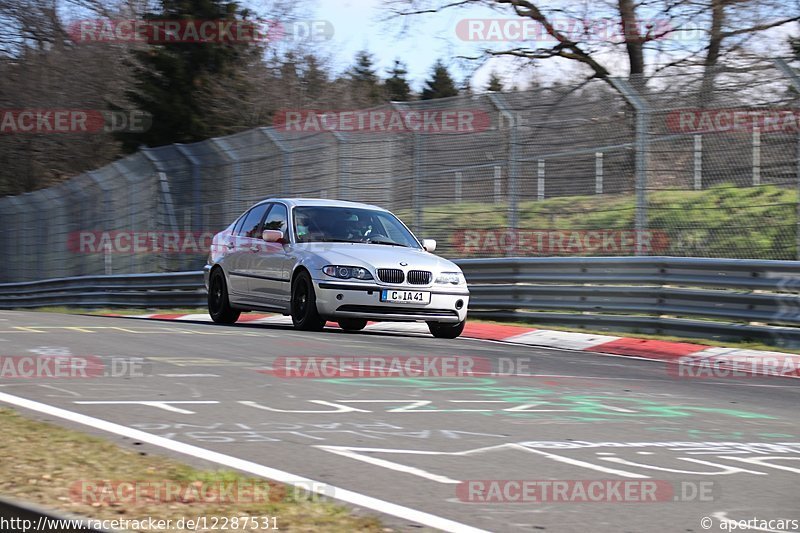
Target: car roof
[(321, 202)]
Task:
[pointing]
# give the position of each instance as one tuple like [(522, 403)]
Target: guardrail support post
[(642, 156)]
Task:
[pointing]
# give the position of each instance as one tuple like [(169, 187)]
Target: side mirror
[(273, 235), (429, 245)]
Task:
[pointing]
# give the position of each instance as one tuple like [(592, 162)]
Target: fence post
[(166, 198), (343, 165), (598, 173), (416, 185), (794, 78), (698, 162), (131, 195), (498, 176), (513, 165), (196, 215), (540, 179), (286, 160), (756, 156), (108, 203), (642, 154), (226, 150)]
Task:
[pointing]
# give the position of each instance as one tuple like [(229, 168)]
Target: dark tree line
[(190, 91)]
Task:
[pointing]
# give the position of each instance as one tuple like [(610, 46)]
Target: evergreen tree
[(397, 87), (441, 84), (366, 85), (495, 83), (171, 75), (314, 78)]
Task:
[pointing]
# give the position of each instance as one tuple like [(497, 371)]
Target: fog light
[(459, 304), (339, 296)]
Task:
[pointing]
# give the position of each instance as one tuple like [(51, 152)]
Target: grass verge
[(46, 464)]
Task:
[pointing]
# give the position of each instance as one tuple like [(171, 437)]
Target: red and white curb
[(691, 360)]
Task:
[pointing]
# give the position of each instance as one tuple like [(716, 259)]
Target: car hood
[(375, 255)]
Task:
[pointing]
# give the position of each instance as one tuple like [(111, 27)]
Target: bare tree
[(673, 33), (42, 68)]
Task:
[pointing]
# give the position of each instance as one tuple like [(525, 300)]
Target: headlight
[(347, 272), (453, 278)]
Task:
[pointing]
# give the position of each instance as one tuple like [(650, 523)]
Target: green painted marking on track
[(580, 407)]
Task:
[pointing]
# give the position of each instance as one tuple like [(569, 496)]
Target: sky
[(363, 24), (366, 24)]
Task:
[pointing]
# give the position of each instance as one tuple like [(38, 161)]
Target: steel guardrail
[(736, 299), (25, 516)]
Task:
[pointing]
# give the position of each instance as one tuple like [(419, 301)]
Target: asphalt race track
[(402, 446)]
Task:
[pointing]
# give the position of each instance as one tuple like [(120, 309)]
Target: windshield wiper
[(387, 243)]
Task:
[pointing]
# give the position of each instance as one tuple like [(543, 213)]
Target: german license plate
[(405, 297)]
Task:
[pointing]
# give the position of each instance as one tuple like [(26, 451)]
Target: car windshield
[(348, 224)]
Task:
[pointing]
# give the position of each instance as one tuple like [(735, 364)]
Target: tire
[(219, 306), (446, 331), (304, 305), (353, 324)]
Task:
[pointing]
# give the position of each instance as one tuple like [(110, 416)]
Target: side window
[(277, 220), (252, 221), (239, 224)]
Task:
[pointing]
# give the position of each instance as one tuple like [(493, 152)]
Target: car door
[(268, 278), (241, 257)]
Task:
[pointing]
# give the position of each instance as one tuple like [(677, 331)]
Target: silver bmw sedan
[(320, 260)]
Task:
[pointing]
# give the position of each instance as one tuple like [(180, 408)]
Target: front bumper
[(363, 300)]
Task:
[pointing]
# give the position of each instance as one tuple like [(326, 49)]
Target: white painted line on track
[(200, 317), (561, 339), (354, 498), (160, 404), (189, 375)]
